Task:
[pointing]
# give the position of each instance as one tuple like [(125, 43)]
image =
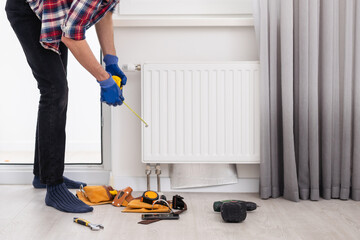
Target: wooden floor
[(23, 215)]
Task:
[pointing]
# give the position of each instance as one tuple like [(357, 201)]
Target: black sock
[(70, 184), (59, 197)]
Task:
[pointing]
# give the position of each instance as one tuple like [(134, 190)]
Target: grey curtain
[(310, 98)]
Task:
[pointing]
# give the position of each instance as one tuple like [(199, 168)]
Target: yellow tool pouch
[(95, 195), (137, 206)]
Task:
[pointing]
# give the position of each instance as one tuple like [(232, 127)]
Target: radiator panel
[(201, 113)]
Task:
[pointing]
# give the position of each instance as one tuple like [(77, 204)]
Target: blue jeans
[(49, 70)]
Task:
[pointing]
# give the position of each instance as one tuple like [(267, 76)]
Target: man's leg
[(68, 182), (50, 73), (36, 171)]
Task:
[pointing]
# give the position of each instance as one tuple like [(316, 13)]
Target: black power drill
[(234, 210), (250, 206)]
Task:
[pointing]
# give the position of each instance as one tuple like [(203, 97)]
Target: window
[(19, 98)]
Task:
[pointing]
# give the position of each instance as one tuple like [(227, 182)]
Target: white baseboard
[(95, 175), (246, 185), (23, 175)]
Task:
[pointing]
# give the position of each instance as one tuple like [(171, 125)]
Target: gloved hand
[(111, 65), (110, 92)]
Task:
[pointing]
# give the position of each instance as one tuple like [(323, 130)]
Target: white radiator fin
[(207, 113)]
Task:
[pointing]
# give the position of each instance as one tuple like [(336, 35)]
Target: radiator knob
[(131, 67)]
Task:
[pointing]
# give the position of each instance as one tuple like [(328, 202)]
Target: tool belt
[(98, 195), (123, 197), (137, 206), (95, 195)]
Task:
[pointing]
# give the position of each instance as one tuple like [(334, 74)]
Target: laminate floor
[(24, 215)]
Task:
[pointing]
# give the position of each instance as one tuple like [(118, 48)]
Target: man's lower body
[(49, 70)]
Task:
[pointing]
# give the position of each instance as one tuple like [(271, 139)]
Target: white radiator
[(201, 113)]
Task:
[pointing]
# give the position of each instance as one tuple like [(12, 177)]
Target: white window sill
[(244, 20)]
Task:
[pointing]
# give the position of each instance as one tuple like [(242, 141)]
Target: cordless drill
[(250, 206)]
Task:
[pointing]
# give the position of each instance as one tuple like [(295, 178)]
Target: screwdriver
[(118, 82)]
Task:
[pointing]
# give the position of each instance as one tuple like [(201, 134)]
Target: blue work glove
[(110, 92), (111, 65)]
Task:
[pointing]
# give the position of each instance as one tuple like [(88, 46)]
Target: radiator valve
[(157, 169), (130, 67)]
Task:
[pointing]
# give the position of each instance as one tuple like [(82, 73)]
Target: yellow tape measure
[(118, 82), (149, 197)]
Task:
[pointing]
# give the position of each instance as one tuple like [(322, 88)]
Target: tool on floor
[(151, 218), (136, 206), (160, 216), (94, 227), (233, 212), (250, 206), (118, 82), (95, 195), (152, 196), (149, 197), (98, 195), (114, 192), (177, 202), (123, 197)]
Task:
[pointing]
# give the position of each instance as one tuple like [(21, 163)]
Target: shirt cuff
[(112, 9)]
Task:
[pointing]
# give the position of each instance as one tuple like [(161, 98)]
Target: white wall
[(19, 98), (170, 7), (134, 45), (162, 44)]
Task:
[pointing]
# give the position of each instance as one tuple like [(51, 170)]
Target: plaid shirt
[(70, 18)]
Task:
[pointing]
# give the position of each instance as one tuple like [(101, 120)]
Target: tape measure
[(149, 197), (117, 81)]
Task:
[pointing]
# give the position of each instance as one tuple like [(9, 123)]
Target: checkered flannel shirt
[(70, 18)]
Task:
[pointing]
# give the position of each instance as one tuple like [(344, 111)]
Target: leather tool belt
[(137, 206), (95, 195), (123, 197)]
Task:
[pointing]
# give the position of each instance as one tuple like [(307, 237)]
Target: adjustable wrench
[(94, 227)]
